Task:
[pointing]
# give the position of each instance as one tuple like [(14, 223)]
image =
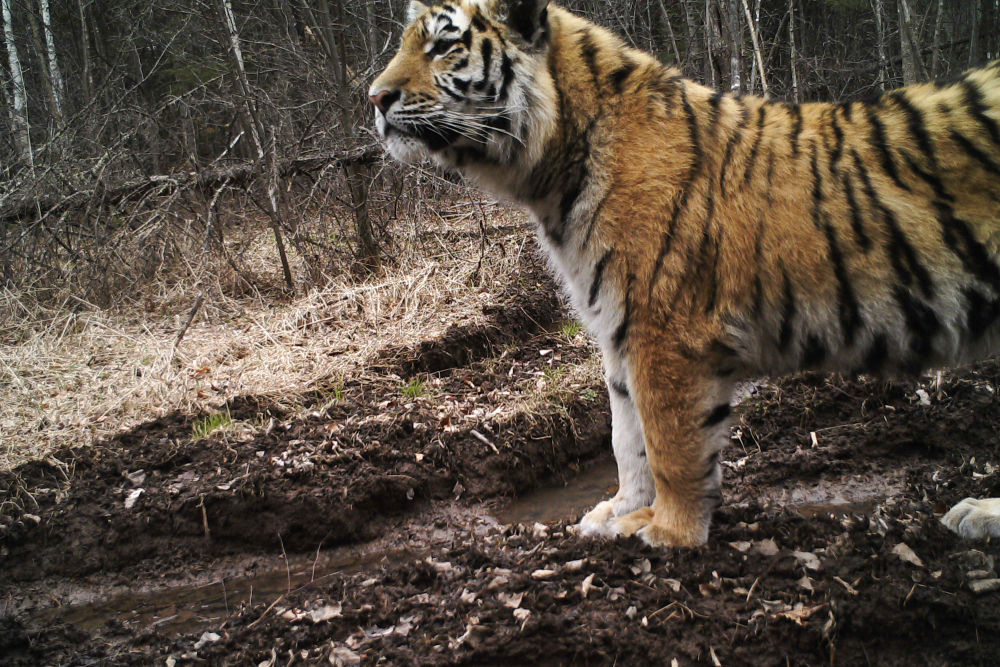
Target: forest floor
[(420, 509)]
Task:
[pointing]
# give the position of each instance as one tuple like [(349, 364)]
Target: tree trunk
[(753, 22), (55, 74), (977, 15), (936, 53), (735, 31), (792, 55), (913, 65), (257, 132), (883, 60), (86, 76), (19, 98)]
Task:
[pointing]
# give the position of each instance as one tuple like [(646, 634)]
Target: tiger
[(707, 237)]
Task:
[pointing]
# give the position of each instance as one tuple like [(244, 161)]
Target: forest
[(138, 136), (268, 397)]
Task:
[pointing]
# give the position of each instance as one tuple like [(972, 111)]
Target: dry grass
[(74, 374)]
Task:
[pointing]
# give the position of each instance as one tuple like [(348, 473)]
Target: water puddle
[(837, 497), (566, 502), (179, 609)]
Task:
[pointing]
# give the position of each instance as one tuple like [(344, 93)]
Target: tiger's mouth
[(434, 137)]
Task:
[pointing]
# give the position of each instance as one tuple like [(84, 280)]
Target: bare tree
[(255, 126), (19, 96), (791, 45), (913, 64), (55, 74)]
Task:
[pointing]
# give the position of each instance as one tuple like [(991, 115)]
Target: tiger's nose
[(385, 99)]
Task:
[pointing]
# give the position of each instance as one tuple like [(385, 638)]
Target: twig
[(269, 608), (194, 311), (288, 571), (483, 439), (204, 518), (225, 595)]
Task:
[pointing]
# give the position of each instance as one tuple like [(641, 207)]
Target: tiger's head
[(469, 87)]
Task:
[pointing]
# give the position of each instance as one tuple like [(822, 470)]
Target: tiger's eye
[(442, 46)]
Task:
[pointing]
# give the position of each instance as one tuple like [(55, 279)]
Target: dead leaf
[(800, 613), (907, 554)]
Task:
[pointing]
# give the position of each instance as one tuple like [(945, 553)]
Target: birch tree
[(55, 75), (264, 154), (913, 64), (19, 96)]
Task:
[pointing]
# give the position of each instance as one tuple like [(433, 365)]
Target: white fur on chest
[(576, 270)]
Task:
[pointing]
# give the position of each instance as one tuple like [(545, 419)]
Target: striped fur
[(705, 237)]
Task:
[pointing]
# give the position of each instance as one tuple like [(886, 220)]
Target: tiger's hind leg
[(684, 408), (974, 519), (635, 482)]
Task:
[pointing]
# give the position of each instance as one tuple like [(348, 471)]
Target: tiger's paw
[(974, 519), (644, 524), (601, 522), (597, 522)]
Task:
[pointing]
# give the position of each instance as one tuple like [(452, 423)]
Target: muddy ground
[(435, 525)]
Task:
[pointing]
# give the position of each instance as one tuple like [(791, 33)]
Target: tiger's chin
[(408, 150)]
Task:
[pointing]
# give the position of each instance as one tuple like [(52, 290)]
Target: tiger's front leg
[(684, 409), (635, 481)]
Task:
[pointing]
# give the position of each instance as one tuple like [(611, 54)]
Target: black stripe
[(789, 310), (477, 23), (448, 8), (880, 143), (959, 238), (621, 75), (500, 121), (619, 388), (838, 146), (848, 109), (813, 352), (796, 112), (589, 50), (451, 93), (877, 354), (927, 177), (467, 38), (847, 303), (817, 193), (507, 71), (461, 84), (622, 331), (975, 153), (857, 223), (717, 416), (486, 51), (902, 256), (981, 313), (682, 201), (923, 324), (461, 64), (734, 140), (595, 286), (917, 126), (712, 465), (755, 148), (977, 109), (714, 102)]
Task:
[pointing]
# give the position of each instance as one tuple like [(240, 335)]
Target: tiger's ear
[(528, 18), (415, 9)]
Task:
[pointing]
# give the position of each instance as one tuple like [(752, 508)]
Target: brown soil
[(366, 527)]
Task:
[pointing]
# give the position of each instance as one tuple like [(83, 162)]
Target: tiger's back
[(705, 236)]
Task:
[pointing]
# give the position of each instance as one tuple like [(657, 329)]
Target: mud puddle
[(178, 609)]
